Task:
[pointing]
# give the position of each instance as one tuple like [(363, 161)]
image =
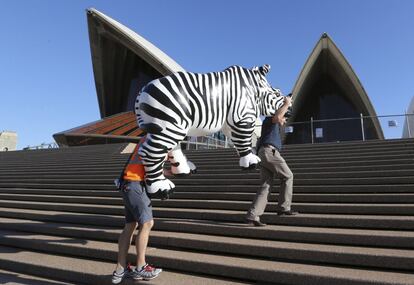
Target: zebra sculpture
[(192, 104)]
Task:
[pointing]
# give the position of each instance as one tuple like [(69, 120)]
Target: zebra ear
[(264, 69)]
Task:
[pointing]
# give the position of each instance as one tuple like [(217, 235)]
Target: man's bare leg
[(141, 242), (124, 242)]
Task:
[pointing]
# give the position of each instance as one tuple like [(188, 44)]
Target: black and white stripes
[(193, 104)]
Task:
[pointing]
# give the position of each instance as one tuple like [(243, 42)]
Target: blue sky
[(46, 77)]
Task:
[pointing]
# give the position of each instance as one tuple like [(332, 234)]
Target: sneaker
[(147, 272), (118, 277)]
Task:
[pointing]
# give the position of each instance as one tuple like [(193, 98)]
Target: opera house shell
[(408, 130), (327, 90), (123, 62)]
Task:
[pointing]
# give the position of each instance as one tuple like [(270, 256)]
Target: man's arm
[(279, 116)]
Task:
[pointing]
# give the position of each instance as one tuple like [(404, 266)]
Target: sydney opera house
[(327, 89)]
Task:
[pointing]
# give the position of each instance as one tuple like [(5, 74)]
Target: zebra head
[(263, 86), (268, 99), (270, 102)]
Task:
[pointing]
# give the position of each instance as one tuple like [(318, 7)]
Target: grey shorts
[(137, 204)]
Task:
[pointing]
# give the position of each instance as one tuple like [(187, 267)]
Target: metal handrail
[(42, 146), (350, 118), (361, 118)]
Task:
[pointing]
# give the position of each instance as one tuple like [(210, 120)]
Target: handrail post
[(362, 127), (311, 122)]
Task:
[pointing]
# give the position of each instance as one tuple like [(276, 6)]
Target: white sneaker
[(118, 277)]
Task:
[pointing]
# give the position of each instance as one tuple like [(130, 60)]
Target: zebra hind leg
[(179, 163)]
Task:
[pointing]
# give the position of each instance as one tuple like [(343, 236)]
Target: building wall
[(8, 141)]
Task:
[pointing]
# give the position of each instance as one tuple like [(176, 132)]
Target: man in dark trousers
[(272, 164)]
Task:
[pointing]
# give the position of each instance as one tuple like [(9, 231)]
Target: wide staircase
[(60, 218)]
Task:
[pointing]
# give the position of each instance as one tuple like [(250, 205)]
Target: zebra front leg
[(179, 163), (153, 155), (241, 136)]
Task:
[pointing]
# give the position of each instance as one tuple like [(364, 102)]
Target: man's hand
[(287, 101), (279, 117)]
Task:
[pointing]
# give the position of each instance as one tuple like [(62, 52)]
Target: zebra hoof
[(251, 167), (160, 185), (163, 195), (249, 161), (182, 175), (181, 170)]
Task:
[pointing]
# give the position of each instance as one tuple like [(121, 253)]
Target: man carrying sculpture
[(272, 165)]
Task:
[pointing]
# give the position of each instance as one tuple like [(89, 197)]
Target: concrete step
[(391, 222), (398, 259), (101, 197), (62, 163), (15, 278), (342, 146), (109, 204), (85, 271), (316, 164), (309, 154), (88, 171), (297, 169), (384, 188), (229, 157), (93, 174), (193, 180), (62, 192), (107, 227), (224, 168), (227, 266), (355, 199), (300, 174), (302, 169), (228, 167), (68, 186), (367, 154), (302, 198), (64, 168), (60, 158)]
